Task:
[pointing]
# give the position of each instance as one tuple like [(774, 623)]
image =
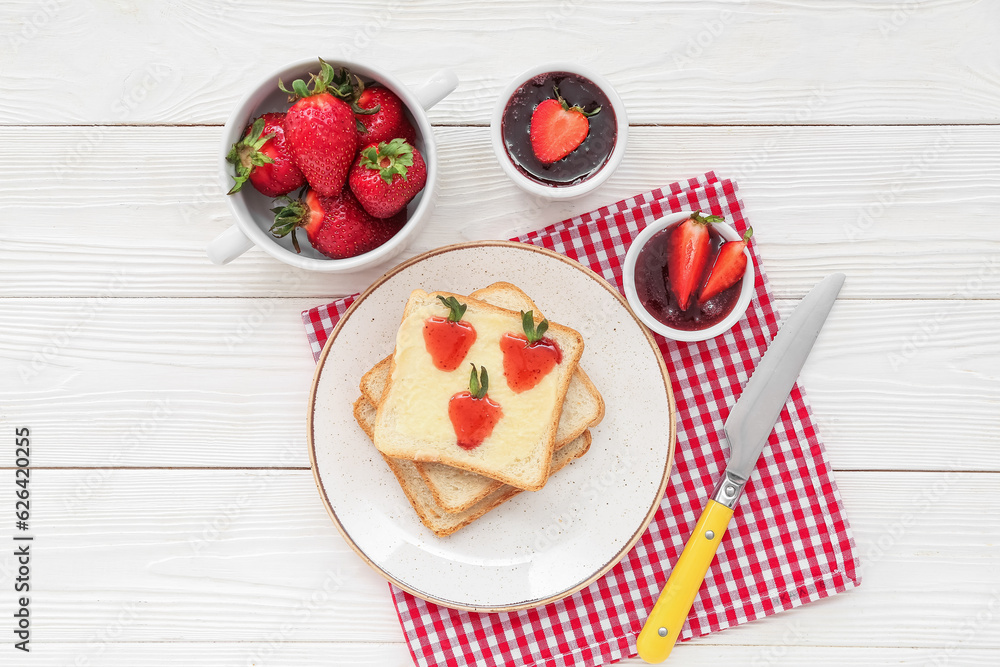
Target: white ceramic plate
[(537, 547)]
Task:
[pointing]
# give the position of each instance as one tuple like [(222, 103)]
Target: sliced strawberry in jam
[(528, 357), (448, 339), (473, 414)]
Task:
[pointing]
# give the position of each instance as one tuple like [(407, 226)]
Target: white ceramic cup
[(628, 277), (532, 186), (252, 210)]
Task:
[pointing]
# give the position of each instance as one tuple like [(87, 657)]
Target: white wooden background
[(175, 514)]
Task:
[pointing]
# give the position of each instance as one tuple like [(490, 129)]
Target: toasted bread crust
[(582, 376)]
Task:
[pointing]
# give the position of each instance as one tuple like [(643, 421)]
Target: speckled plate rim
[(528, 604)]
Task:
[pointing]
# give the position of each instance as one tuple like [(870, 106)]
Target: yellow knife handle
[(665, 621)]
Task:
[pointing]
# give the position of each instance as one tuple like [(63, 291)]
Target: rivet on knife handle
[(665, 621)]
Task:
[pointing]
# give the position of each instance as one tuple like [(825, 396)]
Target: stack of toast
[(403, 408)]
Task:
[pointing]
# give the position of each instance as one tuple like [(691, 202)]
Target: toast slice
[(457, 490), (412, 419), (432, 515)]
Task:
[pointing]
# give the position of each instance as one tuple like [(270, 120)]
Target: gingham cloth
[(789, 542)]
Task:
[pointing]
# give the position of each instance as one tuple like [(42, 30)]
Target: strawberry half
[(448, 339), (729, 267), (557, 129), (336, 226), (263, 158), (687, 255), (387, 176), (320, 126), (384, 118), (529, 358), (473, 413)]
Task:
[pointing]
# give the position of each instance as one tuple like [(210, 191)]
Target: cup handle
[(228, 245), (437, 88)]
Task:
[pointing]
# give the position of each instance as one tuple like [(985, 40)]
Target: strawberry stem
[(479, 386), (457, 310), (338, 81), (706, 219), (534, 333), (747, 234), (567, 107)]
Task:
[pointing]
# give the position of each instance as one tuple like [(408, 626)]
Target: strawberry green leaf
[(245, 154), (706, 219), (289, 218), (457, 310), (474, 382), (540, 330), (337, 81), (577, 108), (484, 381), (479, 385), (389, 159), (533, 333), (356, 106)]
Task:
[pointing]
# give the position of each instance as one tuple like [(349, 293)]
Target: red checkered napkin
[(788, 543)]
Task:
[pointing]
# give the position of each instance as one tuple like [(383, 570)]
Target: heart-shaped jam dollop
[(526, 364), (448, 339), (473, 413)]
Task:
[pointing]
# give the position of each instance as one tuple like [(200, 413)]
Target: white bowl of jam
[(585, 167), (648, 290)]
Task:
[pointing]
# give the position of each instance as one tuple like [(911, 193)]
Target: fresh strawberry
[(448, 339), (729, 267), (387, 176), (528, 358), (263, 158), (557, 128), (384, 117), (687, 254), (473, 413), (336, 226), (320, 127)]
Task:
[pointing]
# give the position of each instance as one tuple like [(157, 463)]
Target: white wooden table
[(174, 513)]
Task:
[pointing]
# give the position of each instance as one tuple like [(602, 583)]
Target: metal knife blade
[(753, 417)]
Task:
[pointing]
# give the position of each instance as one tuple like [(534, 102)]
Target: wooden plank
[(225, 382), (274, 653), (907, 386), (726, 61), (129, 211), (160, 381), (315, 654), (236, 555)]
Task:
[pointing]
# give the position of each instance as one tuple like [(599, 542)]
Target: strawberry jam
[(524, 365), (584, 161), (652, 284), (473, 418), (448, 342)]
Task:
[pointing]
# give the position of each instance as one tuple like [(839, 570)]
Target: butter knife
[(747, 429)]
